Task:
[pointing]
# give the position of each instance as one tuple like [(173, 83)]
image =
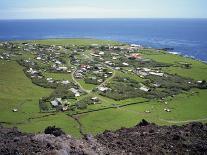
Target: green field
[(197, 72), (17, 91), (74, 42)]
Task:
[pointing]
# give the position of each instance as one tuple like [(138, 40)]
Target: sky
[(46, 9)]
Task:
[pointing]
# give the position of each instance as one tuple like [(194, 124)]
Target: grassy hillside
[(18, 92)]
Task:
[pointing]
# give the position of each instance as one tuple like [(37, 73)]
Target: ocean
[(186, 36)]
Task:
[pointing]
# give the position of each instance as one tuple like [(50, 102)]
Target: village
[(106, 68)]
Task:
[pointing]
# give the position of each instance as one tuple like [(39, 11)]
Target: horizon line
[(103, 18)]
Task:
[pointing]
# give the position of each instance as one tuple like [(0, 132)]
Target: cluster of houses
[(10, 50), (34, 73), (82, 71), (94, 72), (5, 56)]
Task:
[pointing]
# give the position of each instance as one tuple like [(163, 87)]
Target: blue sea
[(186, 36)]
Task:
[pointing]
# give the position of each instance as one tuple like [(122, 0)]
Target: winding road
[(73, 78)]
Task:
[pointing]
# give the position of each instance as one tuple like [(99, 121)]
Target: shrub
[(52, 130), (62, 92)]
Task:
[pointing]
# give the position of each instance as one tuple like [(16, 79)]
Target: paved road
[(85, 90)]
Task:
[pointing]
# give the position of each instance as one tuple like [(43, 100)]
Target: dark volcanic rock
[(147, 138), (13, 142), (144, 138)]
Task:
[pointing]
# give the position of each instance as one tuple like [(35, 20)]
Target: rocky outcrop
[(148, 138), (144, 138), (13, 142)]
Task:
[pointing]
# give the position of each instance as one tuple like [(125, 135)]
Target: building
[(103, 89), (56, 102)]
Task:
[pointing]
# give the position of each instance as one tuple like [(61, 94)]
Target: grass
[(59, 120), (17, 91), (183, 106), (111, 119), (87, 86), (197, 72), (129, 75), (75, 41), (58, 76)]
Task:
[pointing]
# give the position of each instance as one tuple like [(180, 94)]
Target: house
[(100, 80), (15, 110), (78, 75), (117, 68), (65, 82), (61, 68), (108, 62), (31, 71), (135, 56), (110, 72), (135, 45), (147, 111), (93, 78), (64, 108), (101, 53), (141, 73), (56, 102), (50, 80), (58, 62), (157, 85), (95, 99), (167, 110), (125, 64), (146, 69), (144, 88), (38, 58), (95, 55), (157, 74), (103, 89), (75, 91)]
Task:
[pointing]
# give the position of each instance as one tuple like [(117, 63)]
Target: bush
[(81, 105), (52, 130), (43, 105), (62, 92)]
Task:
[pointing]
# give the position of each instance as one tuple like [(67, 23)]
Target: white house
[(56, 102), (125, 64), (144, 88), (102, 89)]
